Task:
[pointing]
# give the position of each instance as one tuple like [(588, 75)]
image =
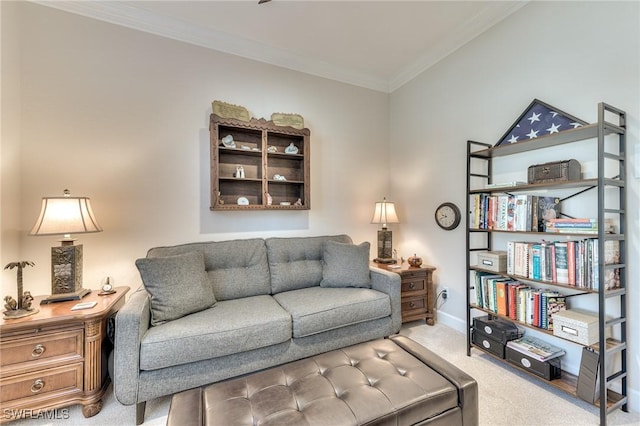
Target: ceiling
[(379, 45)]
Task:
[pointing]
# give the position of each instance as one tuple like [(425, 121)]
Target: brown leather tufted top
[(377, 382)]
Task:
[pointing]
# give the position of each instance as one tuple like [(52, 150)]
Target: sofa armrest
[(389, 283), (467, 386), (132, 322)]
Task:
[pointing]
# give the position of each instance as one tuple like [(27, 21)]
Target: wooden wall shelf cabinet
[(603, 144), (56, 357), (261, 152)]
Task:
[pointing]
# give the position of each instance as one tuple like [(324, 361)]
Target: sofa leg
[(140, 406)]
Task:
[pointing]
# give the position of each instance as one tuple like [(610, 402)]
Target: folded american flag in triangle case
[(539, 119)]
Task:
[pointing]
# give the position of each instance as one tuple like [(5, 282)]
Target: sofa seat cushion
[(229, 327), (317, 309)]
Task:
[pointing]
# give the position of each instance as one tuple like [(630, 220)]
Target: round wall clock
[(448, 216)]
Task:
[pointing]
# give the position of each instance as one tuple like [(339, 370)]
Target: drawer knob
[(37, 351), (412, 285), (412, 304), (37, 386)]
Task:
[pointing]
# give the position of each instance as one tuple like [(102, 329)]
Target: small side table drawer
[(414, 306), (40, 349), (413, 285), (67, 378)]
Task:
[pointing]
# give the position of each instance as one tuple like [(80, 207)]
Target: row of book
[(576, 226), (507, 212), (574, 263), (517, 300)]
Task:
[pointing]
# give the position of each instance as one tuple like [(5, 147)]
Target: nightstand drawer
[(67, 379), (413, 285), (414, 305), (414, 274), (40, 349)]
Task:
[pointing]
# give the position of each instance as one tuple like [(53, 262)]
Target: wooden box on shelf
[(258, 165)]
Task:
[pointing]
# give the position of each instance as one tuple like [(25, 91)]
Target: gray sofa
[(258, 303)]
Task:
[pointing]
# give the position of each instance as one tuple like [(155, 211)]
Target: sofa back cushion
[(296, 263), (236, 268), (345, 265), (178, 285)]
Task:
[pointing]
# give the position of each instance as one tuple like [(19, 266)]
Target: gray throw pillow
[(345, 265), (178, 285)]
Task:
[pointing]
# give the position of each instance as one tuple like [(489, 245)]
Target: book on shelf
[(562, 266), (508, 184), (554, 302), (577, 225), (547, 208), (536, 348)]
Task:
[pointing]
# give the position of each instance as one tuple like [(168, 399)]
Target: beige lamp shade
[(65, 215), (384, 213)]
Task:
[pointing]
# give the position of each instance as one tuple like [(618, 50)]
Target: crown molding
[(493, 13), (132, 17), (127, 15)]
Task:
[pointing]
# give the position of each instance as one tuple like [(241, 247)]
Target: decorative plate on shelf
[(243, 201)]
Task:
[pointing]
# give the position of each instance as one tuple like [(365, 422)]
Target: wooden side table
[(418, 298), (57, 357)]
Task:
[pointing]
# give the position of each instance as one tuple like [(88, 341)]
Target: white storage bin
[(576, 325)]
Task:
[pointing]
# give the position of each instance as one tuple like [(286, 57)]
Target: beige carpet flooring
[(507, 397)]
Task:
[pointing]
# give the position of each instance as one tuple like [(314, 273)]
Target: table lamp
[(384, 213), (65, 216)]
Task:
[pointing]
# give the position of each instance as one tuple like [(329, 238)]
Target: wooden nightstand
[(57, 357), (418, 298)]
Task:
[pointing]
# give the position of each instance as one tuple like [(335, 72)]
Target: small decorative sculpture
[(228, 141), (269, 199), (239, 172), (291, 149), (11, 303), (298, 202), (22, 306), (279, 177), (415, 261), (272, 149)]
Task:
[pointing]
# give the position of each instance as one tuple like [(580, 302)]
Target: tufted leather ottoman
[(391, 381)]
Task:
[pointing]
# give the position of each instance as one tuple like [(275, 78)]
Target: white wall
[(10, 146), (571, 55), (122, 117)]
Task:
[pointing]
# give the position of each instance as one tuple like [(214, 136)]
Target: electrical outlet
[(445, 293)]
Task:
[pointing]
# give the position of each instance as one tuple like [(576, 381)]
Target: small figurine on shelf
[(298, 202), (269, 199), (228, 141), (239, 172), (291, 149)]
